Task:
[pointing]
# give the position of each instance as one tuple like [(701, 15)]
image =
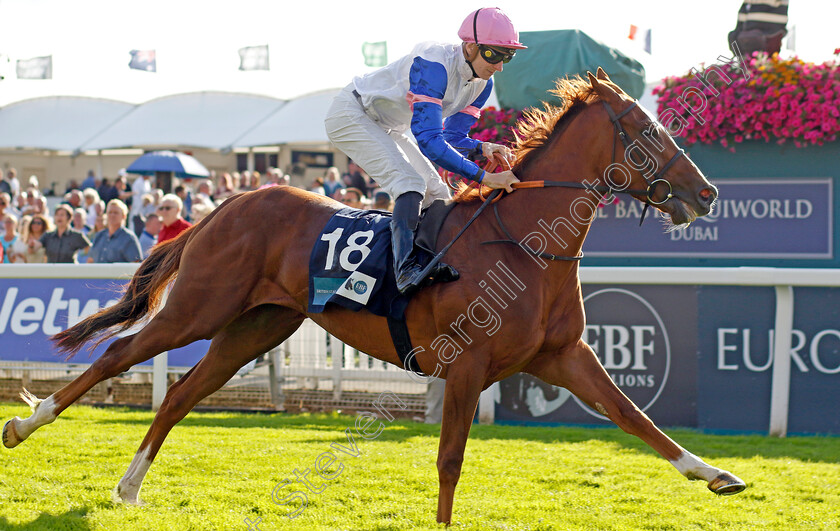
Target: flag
[(143, 60), (35, 68), (254, 58), (376, 53), (640, 35)]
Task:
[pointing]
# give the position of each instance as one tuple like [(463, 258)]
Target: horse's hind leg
[(578, 370), (253, 333), (169, 329)]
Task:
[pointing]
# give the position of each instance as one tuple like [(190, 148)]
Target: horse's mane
[(535, 130)]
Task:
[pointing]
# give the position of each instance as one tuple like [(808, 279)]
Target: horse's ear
[(602, 75), (592, 79)]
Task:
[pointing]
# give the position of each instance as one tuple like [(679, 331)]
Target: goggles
[(494, 56)]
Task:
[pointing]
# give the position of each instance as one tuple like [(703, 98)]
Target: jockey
[(436, 91)]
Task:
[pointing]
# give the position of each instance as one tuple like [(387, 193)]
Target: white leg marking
[(43, 412), (694, 468), (128, 489)]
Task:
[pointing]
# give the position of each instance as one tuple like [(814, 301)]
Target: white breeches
[(390, 157)]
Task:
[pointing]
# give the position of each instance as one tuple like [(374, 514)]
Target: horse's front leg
[(578, 369), (464, 382)]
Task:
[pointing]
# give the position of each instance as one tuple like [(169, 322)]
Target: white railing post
[(275, 366), (337, 355), (780, 395), (160, 380), (487, 404)]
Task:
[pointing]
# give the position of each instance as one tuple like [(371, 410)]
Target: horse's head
[(645, 157)]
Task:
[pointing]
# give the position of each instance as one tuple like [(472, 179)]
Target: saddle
[(431, 221), (351, 266)]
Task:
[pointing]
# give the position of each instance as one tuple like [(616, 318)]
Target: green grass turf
[(217, 469)]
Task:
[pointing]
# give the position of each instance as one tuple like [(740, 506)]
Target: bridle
[(648, 193), (658, 177), (495, 195)]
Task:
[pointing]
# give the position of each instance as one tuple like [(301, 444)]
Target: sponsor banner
[(734, 364), (32, 310), (769, 218), (645, 337), (736, 359)]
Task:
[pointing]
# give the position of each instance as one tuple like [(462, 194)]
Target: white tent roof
[(202, 119), (212, 120), (60, 123), (300, 120)]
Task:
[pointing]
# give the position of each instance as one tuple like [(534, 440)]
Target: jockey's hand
[(500, 180), (502, 153)]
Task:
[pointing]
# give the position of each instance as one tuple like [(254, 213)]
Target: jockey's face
[(482, 68)]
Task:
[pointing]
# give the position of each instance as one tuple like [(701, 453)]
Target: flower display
[(496, 125), (782, 100)]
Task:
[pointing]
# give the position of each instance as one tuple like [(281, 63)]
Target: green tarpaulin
[(525, 81)]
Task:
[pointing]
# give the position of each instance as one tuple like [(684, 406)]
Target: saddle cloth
[(352, 265)]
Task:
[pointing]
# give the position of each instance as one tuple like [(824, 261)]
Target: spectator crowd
[(121, 220)]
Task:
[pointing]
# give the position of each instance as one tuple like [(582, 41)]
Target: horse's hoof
[(726, 484), (126, 495), (10, 434)]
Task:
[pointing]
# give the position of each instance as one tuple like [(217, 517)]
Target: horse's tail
[(141, 296)]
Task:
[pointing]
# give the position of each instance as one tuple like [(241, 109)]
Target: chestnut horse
[(241, 279)]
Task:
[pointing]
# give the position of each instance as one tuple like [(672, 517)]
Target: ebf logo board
[(645, 337)]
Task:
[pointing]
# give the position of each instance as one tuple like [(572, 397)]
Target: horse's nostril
[(707, 195)]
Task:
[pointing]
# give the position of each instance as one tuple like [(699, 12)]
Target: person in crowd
[(90, 181), (91, 198), (169, 210), (204, 194), (106, 190), (115, 243), (10, 185), (21, 202), (63, 244), (382, 201), (80, 216), (6, 204), (18, 249), (317, 186), (245, 182), (40, 206), (10, 236), (141, 187), (32, 195), (122, 191), (186, 199), (355, 178), (31, 232), (74, 198), (332, 181), (224, 187), (98, 225), (148, 238), (351, 197), (256, 178), (79, 223)]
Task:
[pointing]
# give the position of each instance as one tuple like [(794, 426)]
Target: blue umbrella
[(181, 164)]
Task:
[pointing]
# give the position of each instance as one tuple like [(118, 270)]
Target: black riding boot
[(406, 268)]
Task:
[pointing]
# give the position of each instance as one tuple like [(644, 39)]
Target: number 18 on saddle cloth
[(351, 264)]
